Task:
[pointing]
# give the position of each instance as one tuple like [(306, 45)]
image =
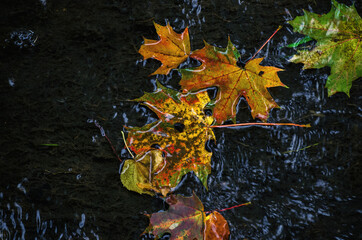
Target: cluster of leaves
[(175, 144), (186, 219), (183, 129)]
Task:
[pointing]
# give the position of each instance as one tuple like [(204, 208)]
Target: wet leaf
[(300, 42), (216, 227), (219, 68), (186, 219), (181, 133), (171, 49), (338, 34), (138, 174)]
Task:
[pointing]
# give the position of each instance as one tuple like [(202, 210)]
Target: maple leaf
[(338, 34), (171, 49), (181, 132), (186, 219), (219, 68)]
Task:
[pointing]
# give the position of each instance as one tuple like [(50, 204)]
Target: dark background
[(64, 63)]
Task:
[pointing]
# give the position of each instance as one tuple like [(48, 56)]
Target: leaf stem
[(260, 124), (225, 209), (301, 149), (125, 143), (109, 141), (264, 44), (50, 144)]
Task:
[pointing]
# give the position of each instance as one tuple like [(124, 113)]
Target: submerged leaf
[(338, 34), (186, 219), (219, 69), (181, 132), (172, 48)]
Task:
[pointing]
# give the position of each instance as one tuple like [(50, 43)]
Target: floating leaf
[(216, 227), (219, 68), (338, 34), (138, 174), (171, 49), (182, 132), (186, 219)]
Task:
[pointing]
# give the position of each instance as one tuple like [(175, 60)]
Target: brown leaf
[(183, 220), (216, 227)]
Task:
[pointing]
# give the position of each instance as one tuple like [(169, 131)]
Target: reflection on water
[(22, 38), (15, 224)]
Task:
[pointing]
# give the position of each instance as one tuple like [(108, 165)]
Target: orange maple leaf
[(219, 69), (216, 227), (171, 49)]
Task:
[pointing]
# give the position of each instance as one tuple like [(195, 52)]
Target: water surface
[(66, 62)]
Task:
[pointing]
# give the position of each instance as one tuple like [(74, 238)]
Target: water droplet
[(81, 223), (11, 82)]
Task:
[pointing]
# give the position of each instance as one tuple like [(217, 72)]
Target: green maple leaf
[(338, 34)]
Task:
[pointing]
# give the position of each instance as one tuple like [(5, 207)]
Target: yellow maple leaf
[(181, 132)]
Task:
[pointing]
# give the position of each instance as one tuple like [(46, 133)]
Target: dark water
[(66, 62)]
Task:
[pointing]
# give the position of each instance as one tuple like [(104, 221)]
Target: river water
[(66, 63)]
